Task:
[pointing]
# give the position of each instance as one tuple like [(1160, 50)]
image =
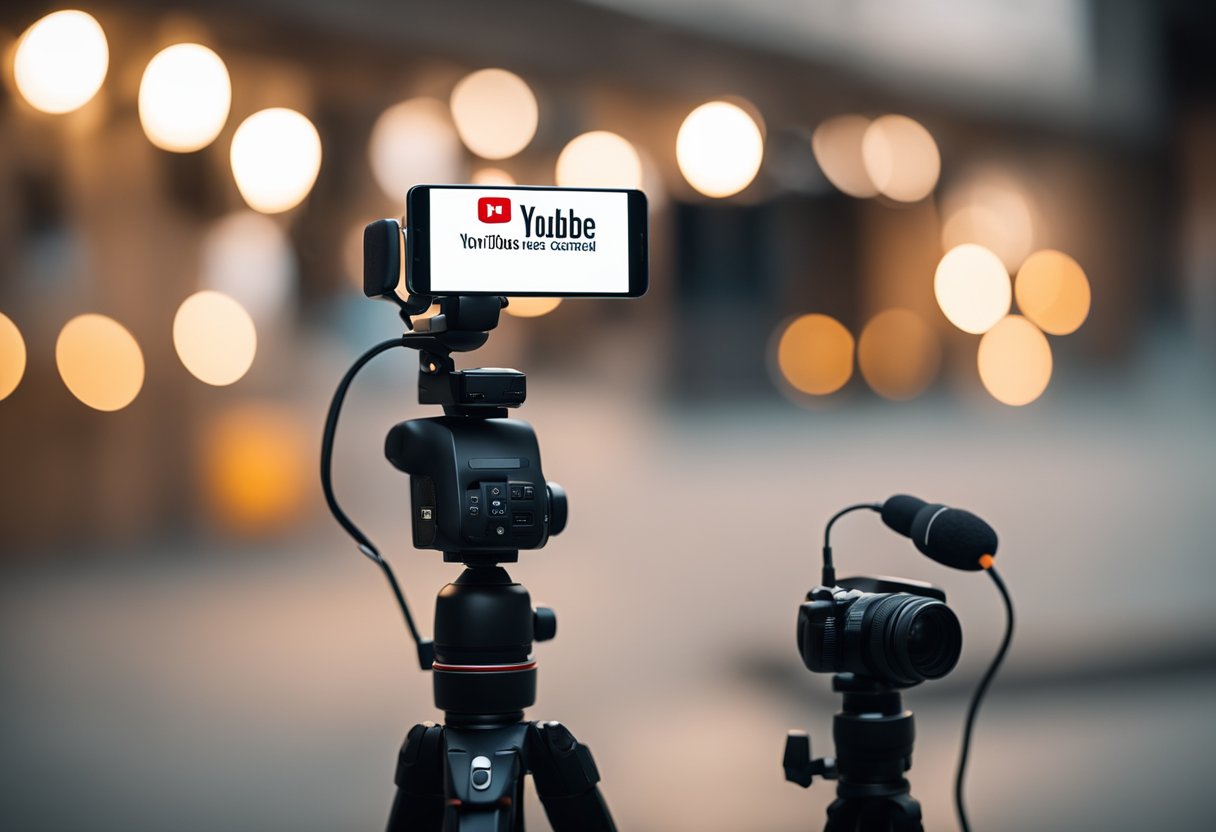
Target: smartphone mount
[(468, 773)]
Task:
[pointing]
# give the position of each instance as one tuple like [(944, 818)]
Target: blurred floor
[(205, 686)]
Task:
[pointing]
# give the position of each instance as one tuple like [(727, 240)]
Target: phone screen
[(526, 241)]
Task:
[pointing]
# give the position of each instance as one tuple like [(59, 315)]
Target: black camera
[(898, 633), (476, 487)]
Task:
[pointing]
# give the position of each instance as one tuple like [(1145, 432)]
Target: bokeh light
[(100, 362), (898, 354), (1052, 290), (61, 61), (901, 158), (495, 113), (719, 149), (414, 142), (257, 467), (599, 159), (492, 177), (248, 256), (214, 337), (992, 210), (12, 356), (532, 307), (184, 97), (972, 288), (1015, 361), (815, 354), (836, 144), (276, 156)]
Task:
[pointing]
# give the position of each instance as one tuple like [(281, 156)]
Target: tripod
[(478, 495), (873, 734), (468, 774)]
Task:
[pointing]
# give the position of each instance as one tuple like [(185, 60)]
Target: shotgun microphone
[(951, 536)]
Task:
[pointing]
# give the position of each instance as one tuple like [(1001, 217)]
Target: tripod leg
[(566, 778), (419, 801), (905, 814), (843, 816)]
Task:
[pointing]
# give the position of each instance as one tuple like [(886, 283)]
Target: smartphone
[(567, 242)]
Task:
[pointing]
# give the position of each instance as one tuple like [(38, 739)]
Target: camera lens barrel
[(898, 638), (904, 638)]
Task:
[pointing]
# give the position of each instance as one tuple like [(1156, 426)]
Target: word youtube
[(561, 226)]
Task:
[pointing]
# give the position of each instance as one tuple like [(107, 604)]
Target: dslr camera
[(476, 486), (895, 632)]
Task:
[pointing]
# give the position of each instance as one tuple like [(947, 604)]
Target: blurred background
[(965, 250)]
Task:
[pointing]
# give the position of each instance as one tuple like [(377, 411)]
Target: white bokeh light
[(248, 256), (719, 149), (276, 156), (972, 288), (599, 159), (414, 142), (61, 61), (184, 97)]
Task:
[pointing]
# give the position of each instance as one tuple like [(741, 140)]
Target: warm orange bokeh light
[(495, 113), (532, 307), (256, 467), (1052, 290), (492, 177), (215, 338), (815, 354), (12, 356), (898, 354), (1015, 361), (100, 362)]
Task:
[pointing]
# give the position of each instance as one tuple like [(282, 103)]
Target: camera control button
[(474, 499), (474, 511), (494, 490), (529, 492), (480, 773)]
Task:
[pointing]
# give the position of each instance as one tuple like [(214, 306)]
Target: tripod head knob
[(799, 767), (544, 624), (559, 508)]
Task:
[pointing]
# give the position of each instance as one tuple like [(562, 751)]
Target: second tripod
[(873, 734)]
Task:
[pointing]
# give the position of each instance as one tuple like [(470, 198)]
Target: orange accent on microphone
[(987, 561)]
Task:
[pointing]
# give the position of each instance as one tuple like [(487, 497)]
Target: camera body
[(477, 491), (896, 632)]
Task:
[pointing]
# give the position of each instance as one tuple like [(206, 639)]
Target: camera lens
[(931, 638), (906, 638)]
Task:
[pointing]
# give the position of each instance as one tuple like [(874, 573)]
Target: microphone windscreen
[(899, 511), (953, 537)]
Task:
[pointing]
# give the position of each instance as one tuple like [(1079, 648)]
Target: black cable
[(364, 543), (978, 696), (829, 570)]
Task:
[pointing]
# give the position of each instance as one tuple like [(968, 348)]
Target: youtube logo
[(494, 209)]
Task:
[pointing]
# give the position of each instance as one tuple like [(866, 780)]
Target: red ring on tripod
[(484, 668)]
